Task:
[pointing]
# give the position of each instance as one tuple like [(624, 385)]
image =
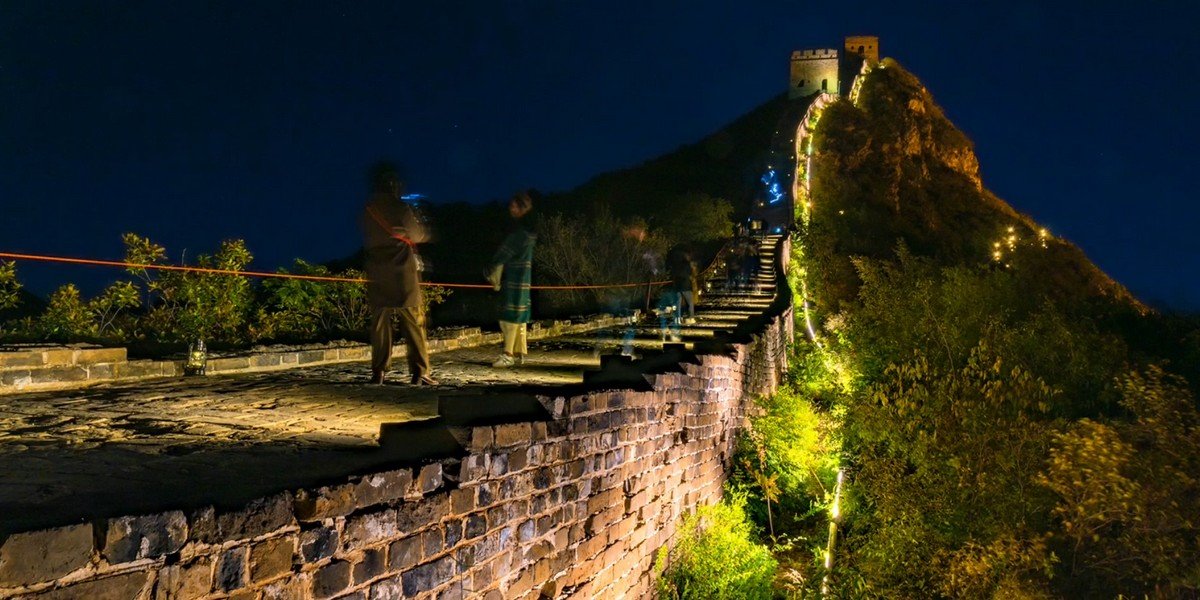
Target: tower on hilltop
[(864, 46), (822, 70)]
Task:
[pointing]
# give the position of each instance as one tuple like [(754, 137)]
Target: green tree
[(10, 288), (716, 558), (697, 217)]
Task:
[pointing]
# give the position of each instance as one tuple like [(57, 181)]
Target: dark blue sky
[(192, 122)]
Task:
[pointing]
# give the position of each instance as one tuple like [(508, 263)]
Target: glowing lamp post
[(197, 359)]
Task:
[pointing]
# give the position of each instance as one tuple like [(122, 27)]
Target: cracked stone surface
[(181, 443)]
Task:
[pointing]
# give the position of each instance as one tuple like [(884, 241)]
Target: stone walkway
[(179, 443)]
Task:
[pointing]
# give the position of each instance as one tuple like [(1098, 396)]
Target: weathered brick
[(428, 480), (462, 501), (45, 555), (387, 589), (372, 565), (404, 553), (413, 516), (185, 581), (512, 434), (148, 536), (330, 580), (121, 587), (428, 576), (370, 528), (380, 488), (271, 558), (476, 525), (231, 569), (326, 502), (318, 543), (258, 517)]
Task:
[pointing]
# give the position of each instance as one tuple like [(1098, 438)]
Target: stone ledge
[(47, 368)]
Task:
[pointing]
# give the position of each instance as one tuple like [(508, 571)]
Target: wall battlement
[(820, 70)]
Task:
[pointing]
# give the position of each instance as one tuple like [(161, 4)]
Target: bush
[(10, 288), (596, 250), (716, 557)]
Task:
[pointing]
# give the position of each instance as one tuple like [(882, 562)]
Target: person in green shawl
[(512, 273)]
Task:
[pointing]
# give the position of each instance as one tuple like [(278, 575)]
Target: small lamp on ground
[(197, 359)]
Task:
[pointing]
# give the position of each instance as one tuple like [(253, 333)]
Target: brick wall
[(575, 505)]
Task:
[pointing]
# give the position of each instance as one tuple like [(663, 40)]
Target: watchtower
[(814, 71), (864, 46)]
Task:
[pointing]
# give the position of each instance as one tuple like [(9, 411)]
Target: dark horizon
[(191, 123)]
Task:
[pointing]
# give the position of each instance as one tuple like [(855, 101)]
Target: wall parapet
[(41, 368), (572, 498)]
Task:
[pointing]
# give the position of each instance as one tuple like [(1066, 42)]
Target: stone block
[(318, 543), (58, 356), (404, 553), (185, 581), (428, 480), (330, 580), (369, 528), (310, 356), (21, 358), (387, 589), (381, 488), (231, 569), (121, 587), (428, 576), (104, 371), (147, 536), (16, 378), (325, 502), (266, 360), (58, 374), (295, 587), (226, 365), (44, 555), (372, 565), (141, 368), (271, 558), (462, 501), (258, 517), (413, 516), (512, 434), (93, 356)]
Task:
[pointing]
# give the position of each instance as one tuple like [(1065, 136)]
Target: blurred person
[(391, 232), (683, 281), (512, 274)]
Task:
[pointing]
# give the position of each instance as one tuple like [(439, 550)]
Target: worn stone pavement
[(141, 447)]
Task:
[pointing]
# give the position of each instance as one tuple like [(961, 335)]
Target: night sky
[(191, 122)]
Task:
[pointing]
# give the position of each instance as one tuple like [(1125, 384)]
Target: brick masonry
[(573, 506)]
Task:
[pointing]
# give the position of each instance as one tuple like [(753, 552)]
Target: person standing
[(512, 273), (391, 232), (683, 281)]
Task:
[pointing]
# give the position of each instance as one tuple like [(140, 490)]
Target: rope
[(212, 271)]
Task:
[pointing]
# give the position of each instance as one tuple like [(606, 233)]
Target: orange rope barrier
[(128, 265)]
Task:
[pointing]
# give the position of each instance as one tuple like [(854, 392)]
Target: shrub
[(716, 557), (10, 288)]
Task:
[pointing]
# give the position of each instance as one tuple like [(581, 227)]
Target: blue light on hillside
[(411, 197), (774, 190)]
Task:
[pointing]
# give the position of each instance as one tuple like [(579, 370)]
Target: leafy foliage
[(697, 217), (596, 250), (9, 286), (715, 557)]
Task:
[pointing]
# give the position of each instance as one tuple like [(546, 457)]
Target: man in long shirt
[(391, 232)]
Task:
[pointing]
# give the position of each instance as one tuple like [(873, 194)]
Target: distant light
[(413, 197)]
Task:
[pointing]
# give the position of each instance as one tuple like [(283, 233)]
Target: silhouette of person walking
[(512, 273), (391, 232)]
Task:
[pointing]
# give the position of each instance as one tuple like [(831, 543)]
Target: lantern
[(197, 359)]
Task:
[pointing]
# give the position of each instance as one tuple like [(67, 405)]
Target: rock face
[(893, 168)]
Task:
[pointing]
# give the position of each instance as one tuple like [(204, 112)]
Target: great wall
[(506, 491)]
